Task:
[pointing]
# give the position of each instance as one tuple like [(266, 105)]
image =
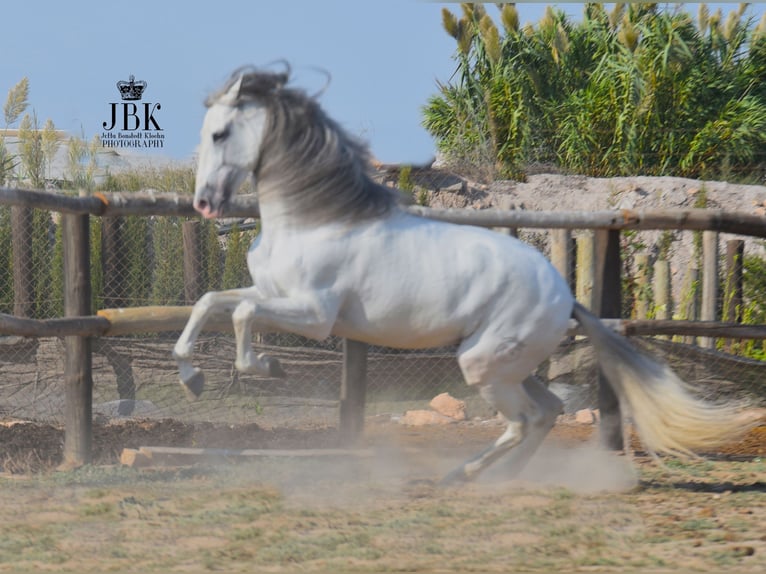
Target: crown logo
[(131, 90)]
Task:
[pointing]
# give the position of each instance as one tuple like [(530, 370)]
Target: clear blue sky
[(385, 59)]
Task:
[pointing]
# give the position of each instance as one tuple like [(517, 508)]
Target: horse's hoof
[(194, 384), (275, 368), (455, 478)]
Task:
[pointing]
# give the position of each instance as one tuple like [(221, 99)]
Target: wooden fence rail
[(79, 325), (166, 204), (159, 319)]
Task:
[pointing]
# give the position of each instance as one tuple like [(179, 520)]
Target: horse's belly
[(401, 334)]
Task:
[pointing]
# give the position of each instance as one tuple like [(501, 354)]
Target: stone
[(585, 417), (418, 418), (447, 405), (134, 458), (460, 188)]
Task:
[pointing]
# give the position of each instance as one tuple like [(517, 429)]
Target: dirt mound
[(30, 447), (27, 447)]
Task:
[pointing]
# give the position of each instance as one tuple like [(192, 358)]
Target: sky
[(384, 58)]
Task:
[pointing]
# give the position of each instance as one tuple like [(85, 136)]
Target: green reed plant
[(636, 89)]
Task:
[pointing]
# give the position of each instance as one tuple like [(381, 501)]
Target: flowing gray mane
[(306, 157)]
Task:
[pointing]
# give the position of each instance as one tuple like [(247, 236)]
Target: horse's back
[(414, 282)]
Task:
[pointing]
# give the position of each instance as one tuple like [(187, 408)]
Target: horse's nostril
[(201, 204)]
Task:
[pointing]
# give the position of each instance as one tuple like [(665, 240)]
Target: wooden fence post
[(643, 282), (562, 254), (193, 288), (585, 271), (23, 274), (733, 284), (663, 300), (690, 300), (353, 391), (608, 304), (506, 204), (708, 312), (735, 252), (78, 376)]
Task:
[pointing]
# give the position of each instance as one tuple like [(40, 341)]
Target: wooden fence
[(80, 324)]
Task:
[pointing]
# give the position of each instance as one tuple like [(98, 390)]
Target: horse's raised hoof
[(194, 384), (456, 478), (275, 368)]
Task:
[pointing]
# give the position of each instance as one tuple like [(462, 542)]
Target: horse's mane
[(307, 158)]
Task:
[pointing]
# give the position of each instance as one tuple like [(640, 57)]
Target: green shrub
[(638, 90)]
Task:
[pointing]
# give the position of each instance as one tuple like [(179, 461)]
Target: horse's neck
[(283, 222), (271, 209), (279, 216)]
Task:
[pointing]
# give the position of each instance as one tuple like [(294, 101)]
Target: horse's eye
[(220, 135)]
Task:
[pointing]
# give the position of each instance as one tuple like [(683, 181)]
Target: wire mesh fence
[(137, 261), (135, 377)]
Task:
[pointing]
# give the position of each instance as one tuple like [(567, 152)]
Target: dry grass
[(284, 516)]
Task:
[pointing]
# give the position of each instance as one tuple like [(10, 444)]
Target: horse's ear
[(231, 96)]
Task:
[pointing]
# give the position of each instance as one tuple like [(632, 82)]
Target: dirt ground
[(27, 447), (576, 509)]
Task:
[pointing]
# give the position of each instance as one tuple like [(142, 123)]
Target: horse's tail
[(667, 417)]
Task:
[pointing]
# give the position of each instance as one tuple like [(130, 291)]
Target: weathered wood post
[(608, 304), (562, 254), (733, 286), (193, 287), (78, 376), (506, 204), (643, 282), (353, 391), (662, 292), (690, 300), (23, 276), (584, 288), (708, 312)]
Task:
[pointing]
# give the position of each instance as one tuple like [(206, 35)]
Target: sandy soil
[(576, 508), (32, 447)]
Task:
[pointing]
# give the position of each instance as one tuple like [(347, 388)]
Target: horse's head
[(231, 138), (306, 167)]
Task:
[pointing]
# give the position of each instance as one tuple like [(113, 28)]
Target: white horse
[(337, 256)]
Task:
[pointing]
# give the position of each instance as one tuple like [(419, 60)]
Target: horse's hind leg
[(531, 412), (512, 437), (549, 408), (530, 409)]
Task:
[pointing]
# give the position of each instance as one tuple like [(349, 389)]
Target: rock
[(585, 417), (134, 458), (447, 405), (418, 418), (460, 188)]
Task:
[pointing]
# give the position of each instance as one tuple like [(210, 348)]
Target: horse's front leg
[(247, 361), (209, 304), (310, 315)]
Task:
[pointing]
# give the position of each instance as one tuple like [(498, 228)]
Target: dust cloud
[(392, 473)]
